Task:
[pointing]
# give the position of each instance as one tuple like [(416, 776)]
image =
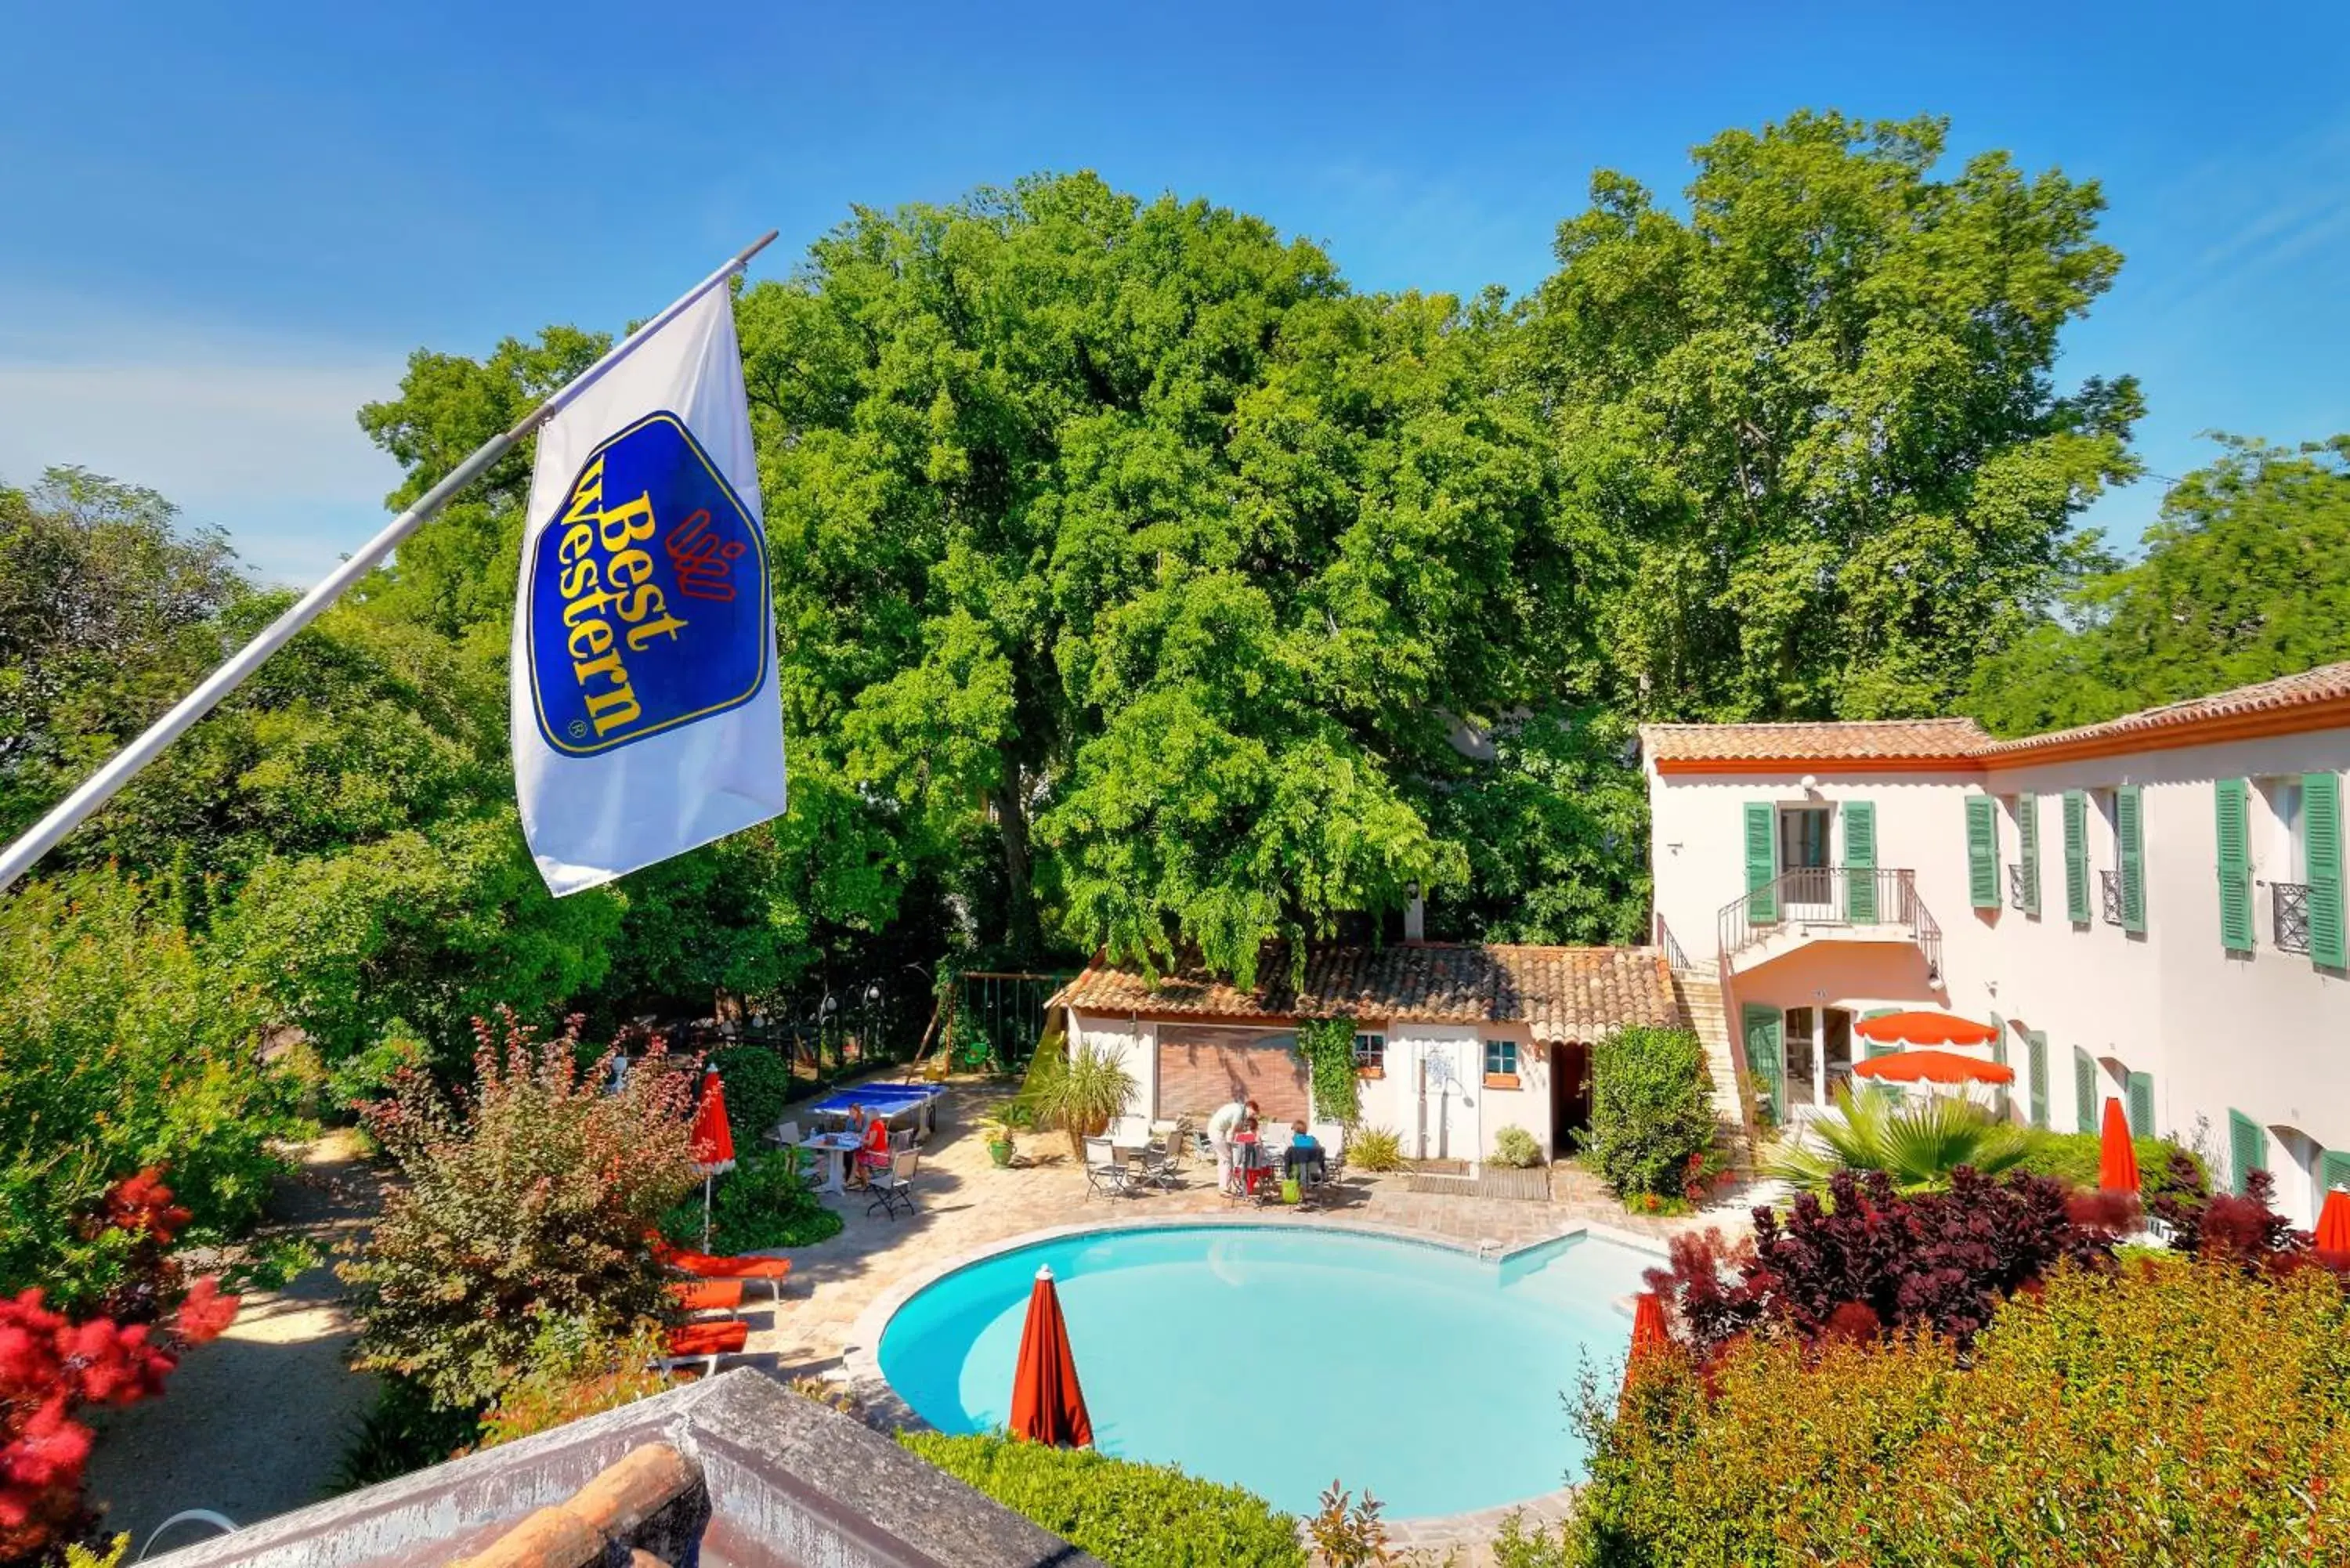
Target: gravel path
[(251, 1424)]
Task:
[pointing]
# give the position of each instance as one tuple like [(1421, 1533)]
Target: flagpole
[(102, 785)]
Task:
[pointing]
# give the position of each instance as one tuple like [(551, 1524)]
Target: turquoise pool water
[(1278, 1357)]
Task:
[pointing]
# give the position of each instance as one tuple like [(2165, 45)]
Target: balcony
[(2289, 916), (1834, 903), (2109, 884)]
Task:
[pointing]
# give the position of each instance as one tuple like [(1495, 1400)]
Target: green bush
[(1375, 1149), (1920, 1143), (121, 1050), (1651, 1111), (761, 1203), (2072, 1159), (1516, 1148), (2108, 1419), (759, 1084), (1129, 1515)]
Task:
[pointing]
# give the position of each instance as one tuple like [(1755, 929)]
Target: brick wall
[(1202, 1067)]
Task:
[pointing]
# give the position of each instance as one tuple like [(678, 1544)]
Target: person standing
[(1227, 1121)]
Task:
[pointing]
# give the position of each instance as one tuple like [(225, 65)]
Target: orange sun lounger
[(705, 1342), (769, 1271), (708, 1295)]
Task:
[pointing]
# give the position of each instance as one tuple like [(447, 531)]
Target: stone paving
[(967, 1204)]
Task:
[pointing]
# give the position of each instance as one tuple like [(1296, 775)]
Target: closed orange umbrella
[(1047, 1406), (711, 1141), (2334, 1223), (1648, 1334), (2116, 1157)]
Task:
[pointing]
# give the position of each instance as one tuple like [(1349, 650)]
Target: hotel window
[(1372, 1054), (2281, 891), (1501, 1058)]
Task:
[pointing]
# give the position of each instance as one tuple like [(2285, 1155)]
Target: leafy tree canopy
[(2245, 577)]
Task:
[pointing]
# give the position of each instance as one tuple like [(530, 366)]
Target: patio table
[(836, 1148)]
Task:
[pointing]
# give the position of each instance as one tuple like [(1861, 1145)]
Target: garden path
[(254, 1423)]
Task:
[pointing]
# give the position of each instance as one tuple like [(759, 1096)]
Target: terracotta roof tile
[(1875, 739), (2327, 682), (1560, 993)]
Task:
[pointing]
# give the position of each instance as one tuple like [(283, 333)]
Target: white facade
[(2255, 1041)]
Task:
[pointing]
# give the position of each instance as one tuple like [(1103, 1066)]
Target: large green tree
[(1818, 411), (2246, 576), (1127, 524)]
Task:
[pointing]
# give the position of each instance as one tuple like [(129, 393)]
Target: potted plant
[(1077, 1094), (996, 1132)]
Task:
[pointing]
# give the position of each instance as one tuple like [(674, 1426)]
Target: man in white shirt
[(1227, 1121)]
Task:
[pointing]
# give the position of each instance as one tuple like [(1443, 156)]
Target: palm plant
[(1917, 1145), (1078, 1092)]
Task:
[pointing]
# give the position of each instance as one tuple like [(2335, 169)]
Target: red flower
[(206, 1312)]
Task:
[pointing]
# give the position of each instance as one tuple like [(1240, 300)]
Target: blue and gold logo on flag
[(649, 594)]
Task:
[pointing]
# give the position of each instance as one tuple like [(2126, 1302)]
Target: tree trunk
[(1020, 899)]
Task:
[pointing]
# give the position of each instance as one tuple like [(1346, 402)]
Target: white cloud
[(251, 433)]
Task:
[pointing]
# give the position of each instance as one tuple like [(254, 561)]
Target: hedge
[(2129, 1419), (1129, 1515), (2073, 1159), (1651, 1110)]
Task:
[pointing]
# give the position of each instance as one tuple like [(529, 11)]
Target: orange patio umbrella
[(2116, 1157), (1932, 1067), (1047, 1406), (2334, 1223), (1649, 1335), (1924, 1028), (711, 1140)]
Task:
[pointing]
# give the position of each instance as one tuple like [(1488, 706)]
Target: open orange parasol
[(1924, 1028), (1047, 1406), (2117, 1155), (2334, 1223), (1932, 1067)]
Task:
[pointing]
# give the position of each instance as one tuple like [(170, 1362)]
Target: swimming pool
[(1279, 1357)]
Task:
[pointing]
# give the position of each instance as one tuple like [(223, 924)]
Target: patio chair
[(703, 1343), (1162, 1162), (786, 1134), (1104, 1172), (895, 1185)]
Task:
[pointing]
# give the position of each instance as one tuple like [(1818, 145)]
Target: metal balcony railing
[(2109, 884), (2289, 916), (2015, 886), (1832, 896)]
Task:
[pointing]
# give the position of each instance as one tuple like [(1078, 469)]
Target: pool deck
[(843, 1291)]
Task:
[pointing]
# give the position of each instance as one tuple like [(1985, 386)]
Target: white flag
[(645, 720)]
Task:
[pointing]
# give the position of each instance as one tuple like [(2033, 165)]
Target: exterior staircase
[(1698, 992)]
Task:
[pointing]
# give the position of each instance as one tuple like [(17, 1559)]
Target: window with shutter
[(1878, 1047), (1998, 1055), (1982, 852), (1761, 861), (2035, 1047), (2248, 1150), (1860, 860), (2076, 857), (2332, 1169), (2085, 1090), (2321, 807), (1766, 1056), (2129, 816), (2141, 1104), (2027, 850), (2235, 866)]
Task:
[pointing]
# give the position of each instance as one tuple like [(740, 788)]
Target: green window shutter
[(2141, 1104), (2027, 850), (1860, 861), (1766, 1059), (2076, 857), (2333, 1170), (2235, 867), (1761, 861), (2035, 1044), (1998, 1055), (2085, 1090), (1878, 1047), (2247, 1150), (2129, 818), (1982, 852), (2321, 819)]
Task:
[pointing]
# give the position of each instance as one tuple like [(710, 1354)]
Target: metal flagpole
[(102, 785)]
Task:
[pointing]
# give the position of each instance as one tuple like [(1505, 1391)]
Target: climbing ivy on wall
[(1327, 1045)]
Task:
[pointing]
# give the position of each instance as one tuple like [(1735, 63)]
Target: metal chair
[(1104, 1172), (1162, 1162), (805, 1161), (894, 1188)]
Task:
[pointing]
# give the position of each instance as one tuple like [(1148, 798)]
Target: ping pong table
[(890, 1102)]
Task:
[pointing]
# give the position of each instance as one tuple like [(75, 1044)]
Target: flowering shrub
[(574, 1371), (533, 1198), (1872, 1259), (2106, 1419), (1651, 1111)]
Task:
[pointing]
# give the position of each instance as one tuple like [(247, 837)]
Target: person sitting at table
[(875, 1156), (1229, 1119), (1304, 1149)]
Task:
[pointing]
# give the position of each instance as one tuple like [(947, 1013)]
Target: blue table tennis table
[(888, 1101)]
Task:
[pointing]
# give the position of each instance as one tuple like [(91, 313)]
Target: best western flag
[(645, 715)]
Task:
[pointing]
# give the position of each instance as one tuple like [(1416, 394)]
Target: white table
[(836, 1148)]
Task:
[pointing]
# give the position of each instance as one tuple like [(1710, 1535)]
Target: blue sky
[(222, 228)]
